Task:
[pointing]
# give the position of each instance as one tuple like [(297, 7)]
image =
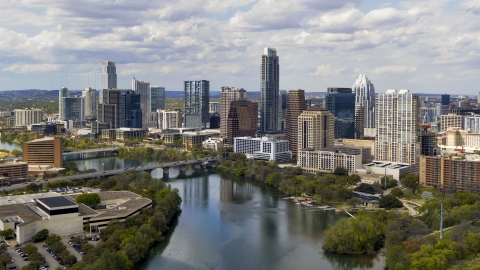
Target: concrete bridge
[(182, 165), (90, 153)]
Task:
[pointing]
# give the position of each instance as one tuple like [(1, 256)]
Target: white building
[(472, 123), (214, 107), (213, 143), (328, 160), (398, 127), (61, 94), (451, 120), (262, 148), (169, 119), (109, 75), (90, 102), (393, 169), (28, 117)]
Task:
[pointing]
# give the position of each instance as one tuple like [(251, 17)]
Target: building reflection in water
[(196, 192), (236, 192)]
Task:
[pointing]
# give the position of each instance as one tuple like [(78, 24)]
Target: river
[(10, 146), (235, 224)]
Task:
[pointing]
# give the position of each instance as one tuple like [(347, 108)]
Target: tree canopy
[(88, 199)]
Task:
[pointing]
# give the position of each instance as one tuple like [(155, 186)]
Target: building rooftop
[(58, 201), (122, 210), (43, 139), (26, 215), (20, 199), (389, 165)]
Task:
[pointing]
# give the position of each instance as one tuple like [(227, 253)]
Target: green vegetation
[(16, 136), (55, 243), (125, 244), (35, 259), (75, 144), (5, 258), (410, 180), (167, 154), (88, 199), (389, 202), (396, 192), (47, 105), (40, 236)]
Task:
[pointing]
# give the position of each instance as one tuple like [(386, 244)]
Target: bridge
[(89, 153), (204, 163)]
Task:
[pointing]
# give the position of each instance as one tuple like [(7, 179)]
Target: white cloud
[(28, 68), (394, 70)]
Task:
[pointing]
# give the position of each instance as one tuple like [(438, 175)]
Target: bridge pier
[(166, 173), (182, 171)]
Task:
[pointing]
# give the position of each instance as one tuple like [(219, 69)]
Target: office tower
[(73, 108), (446, 99), (90, 96), (28, 117), (265, 148), (284, 97), (45, 151), (109, 75), (270, 120), (61, 94), (398, 120), (242, 120), (315, 129), (450, 120), (472, 123), (341, 103), (365, 95), (157, 98), (228, 95), (359, 125), (108, 112), (295, 106), (428, 141), (130, 110), (169, 119), (143, 88), (196, 100), (214, 107)]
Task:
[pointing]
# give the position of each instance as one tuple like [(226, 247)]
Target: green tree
[(40, 235), (30, 249), (411, 180), (70, 259), (365, 188), (5, 259), (6, 233), (353, 202), (16, 153), (52, 238), (389, 202), (340, 171), (473, 242), (396, 192), (397, 258), (88, 199), (178, 143)]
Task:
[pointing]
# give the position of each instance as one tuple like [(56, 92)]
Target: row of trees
[(167, 154)]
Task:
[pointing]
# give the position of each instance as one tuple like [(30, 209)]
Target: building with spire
[(270, 110), (109, 75), (365, 96)]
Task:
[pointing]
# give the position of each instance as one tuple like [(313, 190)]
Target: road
[(150, 167), (412, 211)]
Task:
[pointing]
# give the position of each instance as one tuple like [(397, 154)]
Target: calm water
[(232, 224), (10, 146)]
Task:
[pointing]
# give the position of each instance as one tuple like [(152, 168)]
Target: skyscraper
[(270, 120), (157, 98), (295, 106), (315, 129), (73, 108), (108, 112), (109, 75), (61, 94), (28, 117), (398, 118), (341, 103), (143, 88), (228, 95), (90, 96), (130, 111), (445, 99), (365, 95), (196, 104), (242, 120)]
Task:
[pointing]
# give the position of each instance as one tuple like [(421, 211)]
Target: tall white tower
[(365, 95), (398, 118), (109, 75), (62, 94), (143, 88), (90, 102)]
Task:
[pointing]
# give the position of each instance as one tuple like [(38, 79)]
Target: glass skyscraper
[(130, 111), (62, 94), (365, 96), (157, 98), (270, 103), (341, 103), (109, 75), (196, 104)]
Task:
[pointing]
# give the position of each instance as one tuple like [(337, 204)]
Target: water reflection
[(10, 146)]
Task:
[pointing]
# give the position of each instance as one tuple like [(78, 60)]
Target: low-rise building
[(264, 148), (328, 159), (393, 169), (121, 134), (213, 143), (14, 169)]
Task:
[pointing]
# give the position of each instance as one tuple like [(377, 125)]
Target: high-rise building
[(450, 120), (472, 123), (365, 95), (284, 97), (341, 103), (359, 125), (445, 99), (214, 107), (90, 102), (242, 120), (169, 119), (73, 108), (108, 112), (270, 113), (398, 120), (109, 75), (130, 111), (157, 98), (295, 106), (28, 117), (143, 88), (61, 94), (478, 97), (228, 95), (315, 129), (196, 101), (428, 141), (265, 148)]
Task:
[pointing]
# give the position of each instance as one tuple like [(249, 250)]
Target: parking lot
[(17, 260), (48, 258), (71, 249)]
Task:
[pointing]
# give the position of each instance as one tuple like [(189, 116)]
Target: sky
[(426, 46)]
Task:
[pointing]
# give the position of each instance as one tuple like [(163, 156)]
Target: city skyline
[(322, 45)]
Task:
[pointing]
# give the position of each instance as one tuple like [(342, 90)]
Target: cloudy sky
[(425, 46)]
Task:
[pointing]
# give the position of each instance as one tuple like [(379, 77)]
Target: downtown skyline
[(322, 45)]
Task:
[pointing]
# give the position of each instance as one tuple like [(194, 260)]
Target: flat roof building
[(44, 151)]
